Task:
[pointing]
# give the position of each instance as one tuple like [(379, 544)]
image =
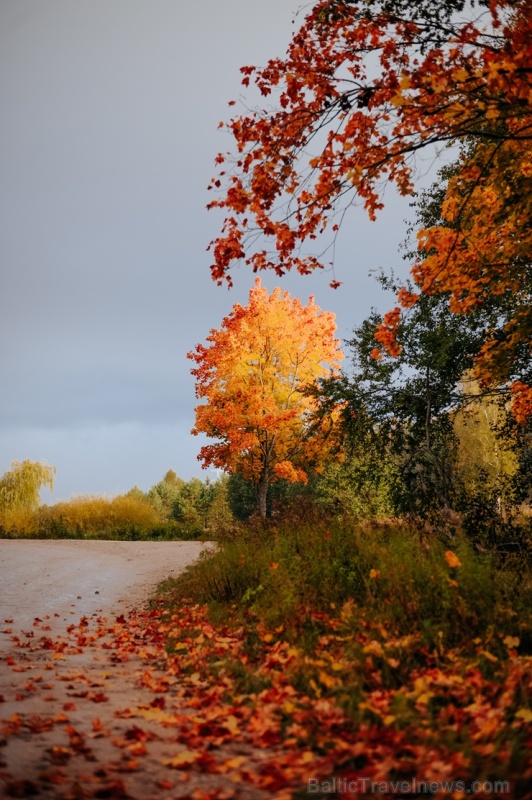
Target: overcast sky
[(109, 114)]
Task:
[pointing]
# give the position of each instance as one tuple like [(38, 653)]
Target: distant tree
[(171, 478), (136, 493), (193, 501), (219, 515), (488, 465), (185, 502), (20, 487), (254, 376), (165, 494)]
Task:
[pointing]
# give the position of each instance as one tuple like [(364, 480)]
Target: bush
[(127, 517), (95, 517)]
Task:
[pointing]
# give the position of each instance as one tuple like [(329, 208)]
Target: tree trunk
[(262, 492)]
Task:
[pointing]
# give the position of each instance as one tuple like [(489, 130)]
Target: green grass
[(391, 575)]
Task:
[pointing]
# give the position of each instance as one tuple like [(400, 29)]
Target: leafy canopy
[(254, 375), (364, 87)]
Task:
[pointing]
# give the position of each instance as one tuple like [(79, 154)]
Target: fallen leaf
[(183, 759)]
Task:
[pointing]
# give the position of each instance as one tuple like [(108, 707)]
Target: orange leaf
[(183, 759)]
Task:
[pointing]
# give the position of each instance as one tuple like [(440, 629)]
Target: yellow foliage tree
[(486, 461), (20, 488), (255, 374)]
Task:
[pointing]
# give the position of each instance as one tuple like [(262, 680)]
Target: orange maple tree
[(255, 376), (362, 89), (481, 254)]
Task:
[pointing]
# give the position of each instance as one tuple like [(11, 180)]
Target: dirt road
[(79, 578), (78, 718)]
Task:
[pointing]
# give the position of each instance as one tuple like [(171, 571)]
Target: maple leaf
[(525, 714), (59, 754), (511, 642), (183, 759), (452, 559)]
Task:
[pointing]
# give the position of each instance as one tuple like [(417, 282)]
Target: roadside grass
[(162, 532), (389, 575), (422, 638)]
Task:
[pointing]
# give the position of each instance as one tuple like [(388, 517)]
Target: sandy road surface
[(76, 577), (62, 733)]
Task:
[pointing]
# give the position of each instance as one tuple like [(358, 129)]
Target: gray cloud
[(110, 112)]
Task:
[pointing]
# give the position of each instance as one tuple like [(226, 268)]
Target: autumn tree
[(481, 255), (364, 87), (21, 485), (254, 375)]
